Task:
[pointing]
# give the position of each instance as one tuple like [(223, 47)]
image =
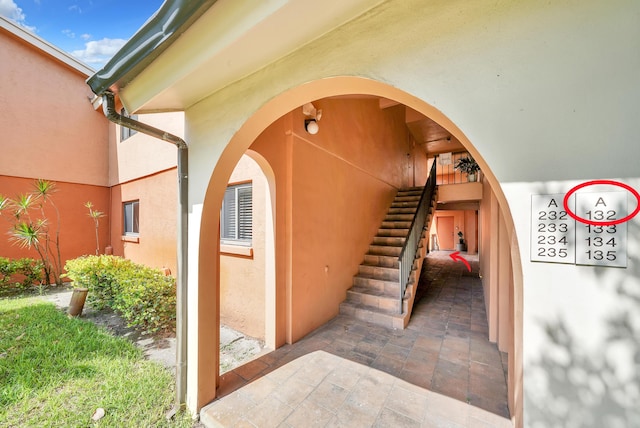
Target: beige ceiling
[(433, 137)]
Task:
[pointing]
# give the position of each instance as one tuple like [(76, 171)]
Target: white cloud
[(68, 33), (85, 36), (98, 51), (11, 10)]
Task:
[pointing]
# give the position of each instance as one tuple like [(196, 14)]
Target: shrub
[(19, 275), (145, 297)]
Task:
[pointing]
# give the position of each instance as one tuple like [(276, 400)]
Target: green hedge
[(19, 275), (145, 297)]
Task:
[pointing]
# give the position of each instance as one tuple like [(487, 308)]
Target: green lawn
[(56, 371)]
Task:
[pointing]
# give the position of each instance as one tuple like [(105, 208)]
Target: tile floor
[(444, 352)]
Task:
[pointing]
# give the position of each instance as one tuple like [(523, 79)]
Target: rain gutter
[(165, 26), (159, 32), (110, 112)]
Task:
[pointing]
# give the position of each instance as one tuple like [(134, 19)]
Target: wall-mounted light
[(312, 117)]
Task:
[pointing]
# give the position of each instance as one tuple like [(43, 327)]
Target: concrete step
[(408, 198), (374, 300), (390, 241), (396, 232), (381, 261), (402, 210), (385, 250), (374, 316), (396, 224), (399, 217), (405, 204), (379, 285), (378, 272)]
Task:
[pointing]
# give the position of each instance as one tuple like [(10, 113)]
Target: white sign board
[(552, 230), (601, 245)]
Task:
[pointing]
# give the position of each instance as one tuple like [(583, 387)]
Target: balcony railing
[(411, 243), (447, 174)]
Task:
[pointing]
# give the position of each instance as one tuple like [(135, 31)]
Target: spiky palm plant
[(95, 215), (30, 226)]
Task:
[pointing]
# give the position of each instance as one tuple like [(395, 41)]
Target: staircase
[(375, 294)]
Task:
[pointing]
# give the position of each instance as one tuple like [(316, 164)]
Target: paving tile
[(309, 415), (258, 390), (390, 419), (394, 351), (359, 378), (251, 369), (270, 413), (407, 403), (227, 411), (388, 365), (421, 379), (328, 395), (293, 391)]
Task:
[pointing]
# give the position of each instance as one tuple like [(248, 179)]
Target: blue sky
[(90, 30)]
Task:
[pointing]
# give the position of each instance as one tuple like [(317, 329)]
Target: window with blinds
[(131, 218), (237, 215)]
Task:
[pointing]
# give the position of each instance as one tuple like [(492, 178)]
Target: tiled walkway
[(444, 350)]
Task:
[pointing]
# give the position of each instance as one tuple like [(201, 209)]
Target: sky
[(90, 30)]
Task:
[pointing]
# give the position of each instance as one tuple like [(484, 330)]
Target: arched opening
[(247, 263), (286, 329)]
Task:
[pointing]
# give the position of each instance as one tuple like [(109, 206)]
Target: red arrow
[(457, 257)]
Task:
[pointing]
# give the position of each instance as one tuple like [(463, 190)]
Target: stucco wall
[(156, 244), (141, 155), (337, 191), (242, 278), (77, 229), (49, 126)]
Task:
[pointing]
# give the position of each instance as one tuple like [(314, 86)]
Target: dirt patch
[(235, 348)]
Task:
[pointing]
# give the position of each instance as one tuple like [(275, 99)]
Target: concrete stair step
[(385, 250), (395, 225), (379, 285), (390, 241), (399, 217), (405, 204), (395, 232), (381, 261), (402, 210), (386, 302), (377, 272), (374, 316)]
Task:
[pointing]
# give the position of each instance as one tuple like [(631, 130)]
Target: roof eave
[(170, 21)]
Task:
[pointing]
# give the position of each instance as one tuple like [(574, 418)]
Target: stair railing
[(412, 242)]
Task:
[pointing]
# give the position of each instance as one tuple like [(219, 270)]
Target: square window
[(131, 218), (237, 215)]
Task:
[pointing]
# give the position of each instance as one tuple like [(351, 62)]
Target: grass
[(56, 371)]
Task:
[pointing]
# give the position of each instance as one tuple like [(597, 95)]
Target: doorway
[(445, 232)]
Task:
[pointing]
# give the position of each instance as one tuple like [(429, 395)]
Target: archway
[(209, 249)]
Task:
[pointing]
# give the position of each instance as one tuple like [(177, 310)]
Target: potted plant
[(461, 246), (469, 166)]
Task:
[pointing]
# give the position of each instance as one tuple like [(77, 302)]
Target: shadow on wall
[(597, 389)]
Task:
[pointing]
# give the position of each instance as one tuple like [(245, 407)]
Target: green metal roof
[(172, 19)]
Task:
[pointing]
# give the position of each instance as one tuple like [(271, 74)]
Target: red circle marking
[(633, 191)]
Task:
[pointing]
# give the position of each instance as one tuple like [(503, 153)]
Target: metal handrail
[(412, 241)]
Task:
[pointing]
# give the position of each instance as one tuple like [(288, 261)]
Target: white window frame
[(131, 218), (240, 232)]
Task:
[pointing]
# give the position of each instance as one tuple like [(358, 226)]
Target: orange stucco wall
[(77, 229), (334, 189), (242, 277), (49, 126), (463, 221), (156, 243)]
